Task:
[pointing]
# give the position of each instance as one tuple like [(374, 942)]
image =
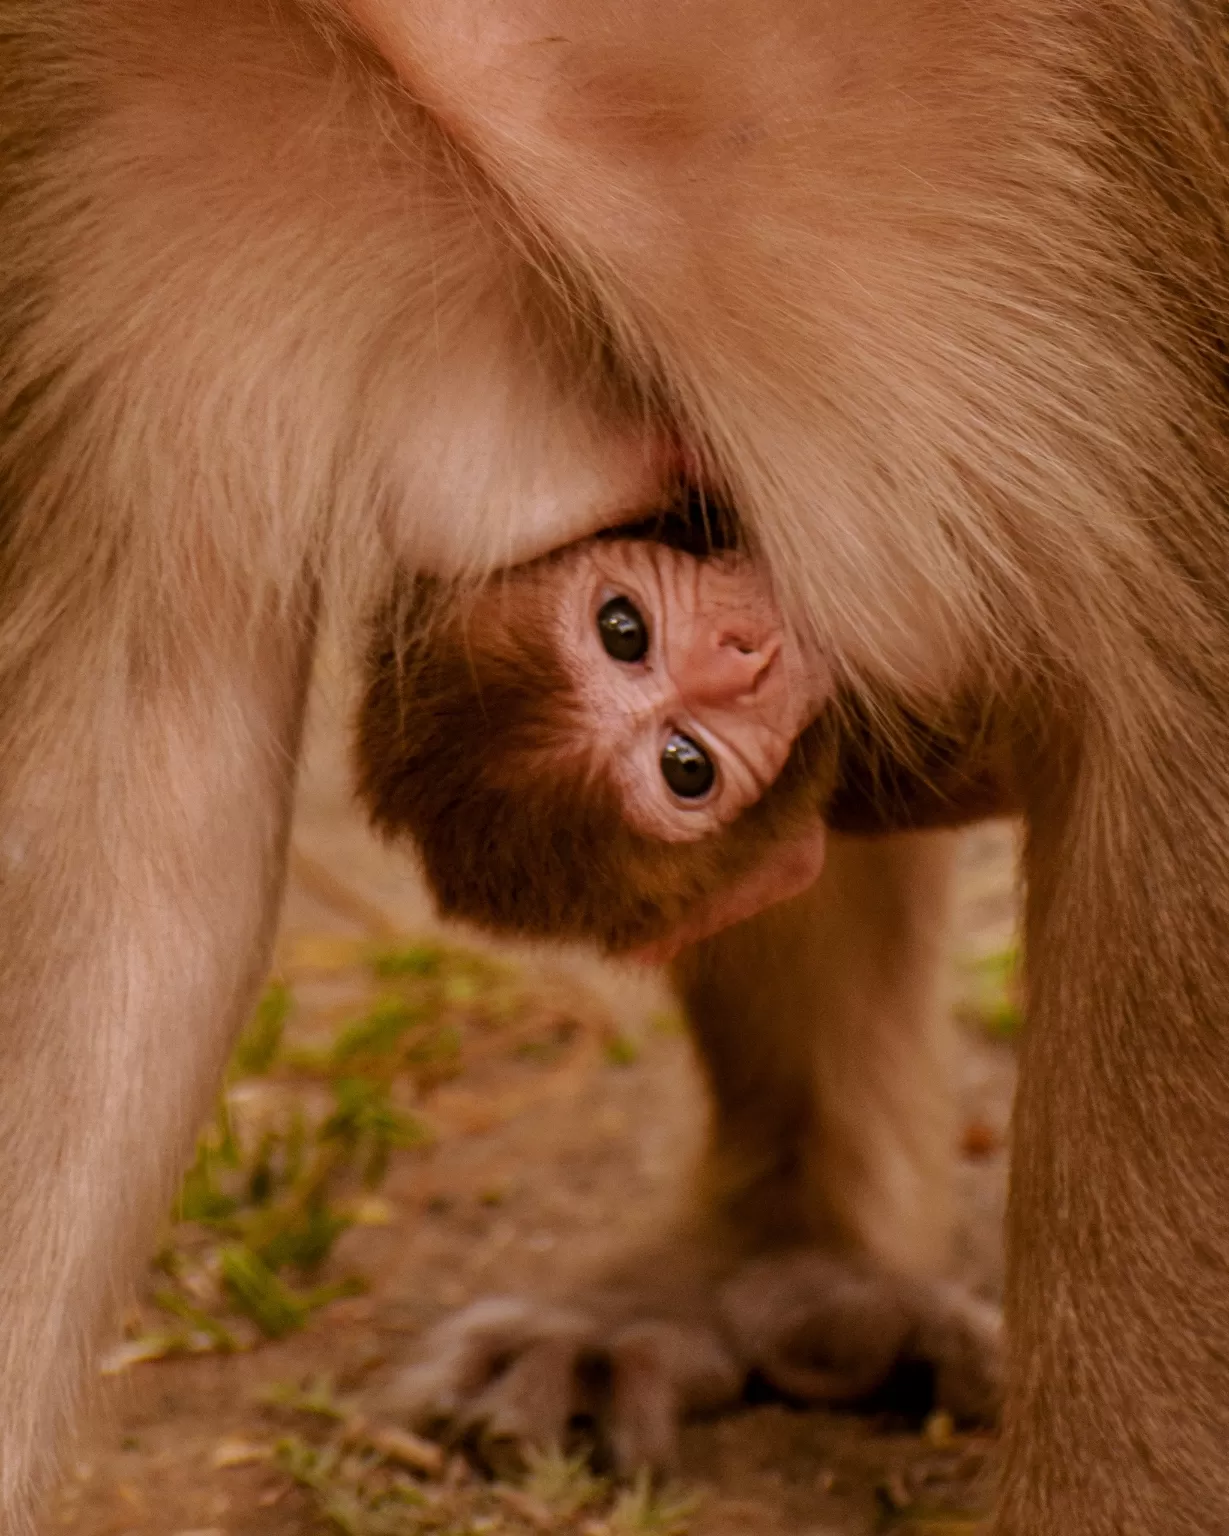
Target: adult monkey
[(935, 293)]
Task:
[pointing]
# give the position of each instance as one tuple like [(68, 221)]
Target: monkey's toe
[(829, 1329), (506, 1375), (962, 1337)]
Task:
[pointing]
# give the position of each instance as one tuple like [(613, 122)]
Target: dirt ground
[(562, 1121)]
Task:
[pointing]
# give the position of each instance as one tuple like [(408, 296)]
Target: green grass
[(303, 1135), (992, 993), (358, 1489), (305, 1130)]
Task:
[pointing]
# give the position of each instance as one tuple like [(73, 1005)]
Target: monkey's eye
[(625, 635), (687, 767)]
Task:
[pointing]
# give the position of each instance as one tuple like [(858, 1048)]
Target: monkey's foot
[(506, 1374), (823, 1329)]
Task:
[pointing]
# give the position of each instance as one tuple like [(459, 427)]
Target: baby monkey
[(622, 741)]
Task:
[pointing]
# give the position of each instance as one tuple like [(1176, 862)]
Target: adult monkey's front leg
[(824, 1036), (143, 845)]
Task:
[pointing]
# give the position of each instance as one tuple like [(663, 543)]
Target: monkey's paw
[(505, 1374), (824, 1329)]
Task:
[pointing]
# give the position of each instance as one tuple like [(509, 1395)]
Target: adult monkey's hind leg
[(1118, 1218), (823, 1205)]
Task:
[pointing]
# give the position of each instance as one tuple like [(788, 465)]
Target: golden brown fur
[(934, 292)]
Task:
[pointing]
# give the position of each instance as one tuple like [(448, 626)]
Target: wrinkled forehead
[(653, 563)]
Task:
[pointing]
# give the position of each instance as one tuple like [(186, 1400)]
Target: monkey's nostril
[(736, 641), (725, 670), (764, 662)]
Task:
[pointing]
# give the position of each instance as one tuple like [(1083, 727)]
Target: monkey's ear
[(787, 869)]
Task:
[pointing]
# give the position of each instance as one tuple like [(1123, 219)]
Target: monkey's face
[(521, 786), (692, 689)]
